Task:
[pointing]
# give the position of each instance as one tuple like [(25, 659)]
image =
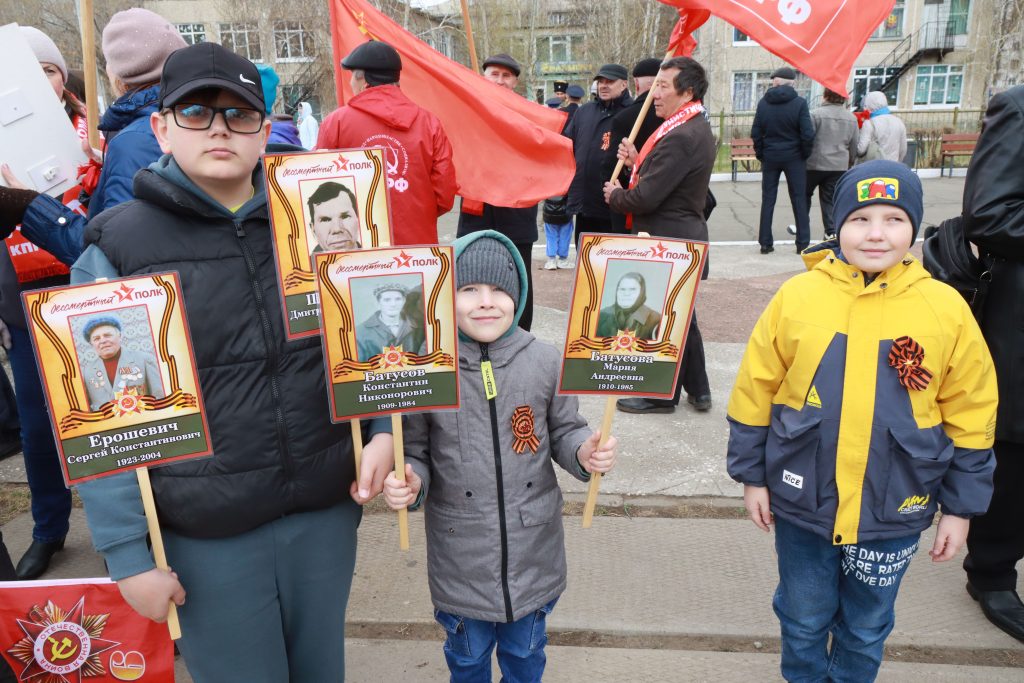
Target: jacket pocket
[(918, 459), (791, 454), (459, 557), (542, 509)]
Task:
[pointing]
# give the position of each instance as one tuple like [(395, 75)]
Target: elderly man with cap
[(519, 225), (783, 136), (116, 370), (644, 73), (421, 177), (591, 134)]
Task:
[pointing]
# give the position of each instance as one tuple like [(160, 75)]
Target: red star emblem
[(392, 358), (403, 259), (658, 251), (58, 645), (341, 163), (624, 341), (124, 292)]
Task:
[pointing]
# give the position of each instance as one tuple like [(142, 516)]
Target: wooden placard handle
[(357, 445), (403, 514), (158, 543), (92, 114), (595, 477)]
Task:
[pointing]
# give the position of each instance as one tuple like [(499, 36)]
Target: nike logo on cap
[(242, 78)]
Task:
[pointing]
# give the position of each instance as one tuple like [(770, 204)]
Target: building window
[(892, 25), (959, 14), (192, 33), (243, 39), (938, 85), (559, 18), (868, 79), (748, 87), (442, 42), (741, 38), (559, 49), (293, 42)]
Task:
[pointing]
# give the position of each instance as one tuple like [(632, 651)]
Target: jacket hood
[(826, 257), (387, 103), (464, 241), (164, 183), (130, 106), (304, 111), (780, 94)]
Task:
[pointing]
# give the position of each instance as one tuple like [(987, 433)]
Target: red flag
[(508, 151), (821, 38), (80, 630), (682, 43)]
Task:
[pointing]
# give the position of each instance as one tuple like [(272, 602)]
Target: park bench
[(741, 152), (955, 145)]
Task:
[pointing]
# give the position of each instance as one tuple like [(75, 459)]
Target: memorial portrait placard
[(630, 312), (119, 374), (389, 334), (321, 202)]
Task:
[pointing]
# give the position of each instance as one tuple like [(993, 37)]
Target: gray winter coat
[(835, 138), (495, 545)]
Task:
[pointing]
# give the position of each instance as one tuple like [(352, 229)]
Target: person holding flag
[(667, 192)]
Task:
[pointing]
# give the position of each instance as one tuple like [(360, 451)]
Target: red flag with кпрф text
[(821, 38), (507, 150), (80, 631)]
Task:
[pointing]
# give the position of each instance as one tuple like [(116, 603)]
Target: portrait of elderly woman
[(629, 310)]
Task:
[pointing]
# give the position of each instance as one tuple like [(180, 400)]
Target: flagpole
[(157, 540), (403, 514), (474, 62), (92, 109)]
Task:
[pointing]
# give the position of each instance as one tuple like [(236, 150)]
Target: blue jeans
[(51, 499), (557, 238), (848, 591), (470, 642)]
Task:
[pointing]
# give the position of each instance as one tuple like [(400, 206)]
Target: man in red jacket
[(421, 177)]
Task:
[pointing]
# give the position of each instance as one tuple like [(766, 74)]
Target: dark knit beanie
[(487, 261), (878, 182)]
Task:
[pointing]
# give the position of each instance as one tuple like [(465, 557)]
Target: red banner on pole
[(80, 630), (507, 150), (821, 38)]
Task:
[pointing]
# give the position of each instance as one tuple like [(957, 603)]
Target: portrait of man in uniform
[(633, 300), (333, 217), (117, 370), (397, 321)]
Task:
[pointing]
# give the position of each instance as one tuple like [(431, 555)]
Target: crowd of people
[(262, 535)]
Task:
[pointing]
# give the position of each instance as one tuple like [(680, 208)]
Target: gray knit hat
[(45, 49), (487, 261), (136, 43)]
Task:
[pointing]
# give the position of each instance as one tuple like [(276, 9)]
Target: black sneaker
[(640, 406), (767, 250)]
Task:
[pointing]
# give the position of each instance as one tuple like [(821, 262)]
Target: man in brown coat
[(666, 197)]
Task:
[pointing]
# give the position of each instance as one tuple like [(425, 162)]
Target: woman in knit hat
[(56, 70), (136, 43)]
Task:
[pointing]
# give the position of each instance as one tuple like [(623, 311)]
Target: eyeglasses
[(200, 117)]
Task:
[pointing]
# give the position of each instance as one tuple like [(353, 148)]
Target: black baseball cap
[(373, 55), (504, 60), (613, 72), (208, 65)]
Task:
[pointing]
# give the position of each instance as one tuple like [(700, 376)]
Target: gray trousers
[(268, 605)]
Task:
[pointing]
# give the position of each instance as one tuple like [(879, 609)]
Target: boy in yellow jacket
[(866, 401)]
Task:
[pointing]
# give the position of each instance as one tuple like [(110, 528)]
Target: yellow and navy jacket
[(864, 408)]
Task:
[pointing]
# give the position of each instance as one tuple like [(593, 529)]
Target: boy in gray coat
[(495, 547)]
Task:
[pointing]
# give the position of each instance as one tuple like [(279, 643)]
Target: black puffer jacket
[(275, 449), (994, 220), (591, 133), (782, 130)]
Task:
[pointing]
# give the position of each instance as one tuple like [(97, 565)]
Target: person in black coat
[(591, 134), (783, 136), (644, 73), (993, 214)]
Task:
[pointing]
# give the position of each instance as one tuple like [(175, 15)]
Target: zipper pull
[(490, 386), (239, 230)]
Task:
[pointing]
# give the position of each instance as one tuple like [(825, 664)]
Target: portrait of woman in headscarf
[(630, 310)]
